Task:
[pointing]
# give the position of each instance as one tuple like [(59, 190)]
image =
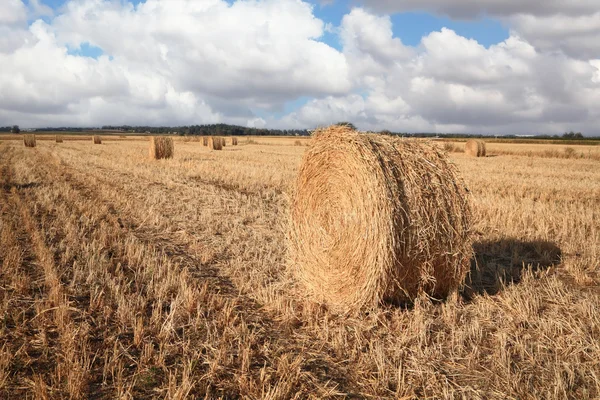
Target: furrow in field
[(30, 332), (88, 199)]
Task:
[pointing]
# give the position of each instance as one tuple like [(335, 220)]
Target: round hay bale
[(215, 143), (161, 147), (58, 139), (205, 141), (475, 148), (97, 139), (377, 219), (482, 150), (234, 141), (29, 141), (223, 142)]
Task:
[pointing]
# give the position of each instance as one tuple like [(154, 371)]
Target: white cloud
[(577, 36), (187, 62), (451, 83), (211, 58), (12, 12), (572, 27)]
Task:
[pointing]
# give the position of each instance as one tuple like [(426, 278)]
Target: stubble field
[(124, 277)]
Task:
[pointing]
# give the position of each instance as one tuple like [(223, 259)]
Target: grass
[(124, 278)]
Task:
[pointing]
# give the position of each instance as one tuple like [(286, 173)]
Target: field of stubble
[(123, 277)]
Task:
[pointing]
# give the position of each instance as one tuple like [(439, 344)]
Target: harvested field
[(123, 277)]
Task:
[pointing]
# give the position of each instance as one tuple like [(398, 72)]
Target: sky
[(461, 66)]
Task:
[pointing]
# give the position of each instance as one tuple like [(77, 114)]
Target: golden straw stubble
[(377, 218), (161, 147)]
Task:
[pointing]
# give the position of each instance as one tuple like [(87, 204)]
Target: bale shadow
[(498, 263)]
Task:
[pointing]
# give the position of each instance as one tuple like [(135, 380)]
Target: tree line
[(236, 130), (208, 130)]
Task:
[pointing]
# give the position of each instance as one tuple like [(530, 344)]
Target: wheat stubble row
[(178, 266)]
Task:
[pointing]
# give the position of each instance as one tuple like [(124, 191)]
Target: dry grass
[(121, 277), (29, 141), (378, 218), (161, 147), (97, 139)]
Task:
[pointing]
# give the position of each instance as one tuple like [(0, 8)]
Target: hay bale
[(376, 218), (234, 141), (161, 147), (215, 143), (475, 148), (205, 141), (482, 149), (223, 144), (97, 139), (58, 139), (29, 141)]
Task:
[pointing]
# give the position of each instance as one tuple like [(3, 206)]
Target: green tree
[(15, 129)]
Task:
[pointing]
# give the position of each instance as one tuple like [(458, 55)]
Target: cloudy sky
[(480, 66)]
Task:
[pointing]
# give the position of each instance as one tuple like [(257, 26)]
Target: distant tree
[(348, 124), (15, 129), (572, 135)]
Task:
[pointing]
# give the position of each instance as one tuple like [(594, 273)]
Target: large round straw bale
[(234, 141), (58, 139), (161, 147), (223, 142), (205, 141), (29, 141), (475, 148), (377, 218), (97, 139), (215, 143)]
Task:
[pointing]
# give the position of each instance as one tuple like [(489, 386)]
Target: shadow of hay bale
[(498, 263)]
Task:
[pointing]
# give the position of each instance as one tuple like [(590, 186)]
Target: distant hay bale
[(475, 148), (97, 139), (234, 141), (223, 142), (58, 139), (161, 147), (377, 218), (215, 143), (482, 149), (29, 141), (205, 141)]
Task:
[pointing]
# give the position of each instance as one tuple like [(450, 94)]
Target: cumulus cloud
[(188, 62), (572, 27), (12, 12), (223, 58), (451, 83)]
